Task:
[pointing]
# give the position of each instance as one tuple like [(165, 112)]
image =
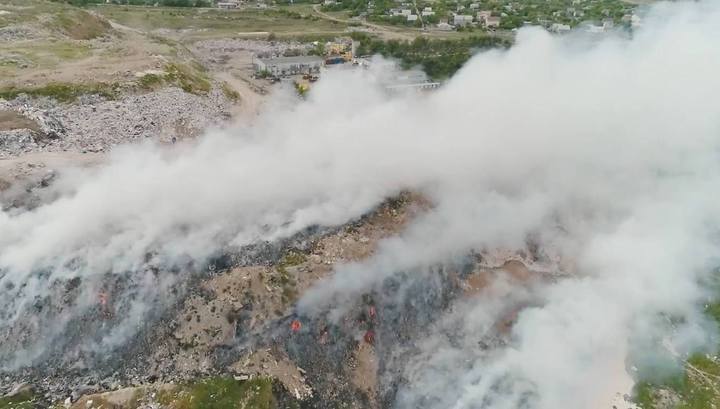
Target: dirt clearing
[(11, 120)]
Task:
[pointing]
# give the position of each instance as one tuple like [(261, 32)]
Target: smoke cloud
[(605, 151)]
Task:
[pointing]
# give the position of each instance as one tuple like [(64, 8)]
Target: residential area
[(560, 15), (447, 15)]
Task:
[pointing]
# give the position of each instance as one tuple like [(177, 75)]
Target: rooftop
[(300, 59)]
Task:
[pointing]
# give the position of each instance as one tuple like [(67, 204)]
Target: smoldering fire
[(604, 151)]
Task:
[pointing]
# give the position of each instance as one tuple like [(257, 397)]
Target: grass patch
[(293, 258), (151, 81), (284, 279), (289, 293), (41, 54), (216, 23), (67, 51), (713, 311), (705, 364), (698, 391), (23, 400), (81, 25), (229, 92), (645, 395), (697, 387), (299, 8), (188, 78), (221, 393), (62, 92)]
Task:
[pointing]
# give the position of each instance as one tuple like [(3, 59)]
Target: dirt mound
[(81, 25), (12, 120)]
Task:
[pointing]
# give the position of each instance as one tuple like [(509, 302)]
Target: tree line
[(439, 59)]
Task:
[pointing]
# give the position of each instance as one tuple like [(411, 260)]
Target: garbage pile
[(237, 316), (95, 124)]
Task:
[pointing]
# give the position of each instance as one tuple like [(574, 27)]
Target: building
[(421, 86), (228, 4), (411, 80), (635, 21), (492, 22), (400, 12), (486, 18), (483, 15), (559, 28), (461, 20), (445, 27), (282, 66), (594, 29)]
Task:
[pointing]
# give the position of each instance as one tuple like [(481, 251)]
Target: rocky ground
[(217, 50), (72, 81), (95, 124)]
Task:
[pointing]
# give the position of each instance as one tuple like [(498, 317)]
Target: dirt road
[(252, 97)]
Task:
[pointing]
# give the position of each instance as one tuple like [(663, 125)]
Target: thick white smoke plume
[(603, 150)]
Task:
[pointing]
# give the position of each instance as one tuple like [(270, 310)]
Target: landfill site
[(237, 319), (195, 216), (230, 318)]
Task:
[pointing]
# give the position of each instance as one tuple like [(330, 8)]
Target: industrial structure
[(283, 66), (228, 4), (402, 80), (419, 86)]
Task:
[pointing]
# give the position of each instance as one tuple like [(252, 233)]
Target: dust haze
[(598, 155)]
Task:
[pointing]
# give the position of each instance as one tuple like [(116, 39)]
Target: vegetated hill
[(60, 18), (693, 384), (81, 25)]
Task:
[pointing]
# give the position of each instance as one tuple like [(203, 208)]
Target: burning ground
[(237, 318), (550, 240)]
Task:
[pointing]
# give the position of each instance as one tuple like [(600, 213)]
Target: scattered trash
[(324, 335), (105, 310), (95, 124), (369, 337)]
